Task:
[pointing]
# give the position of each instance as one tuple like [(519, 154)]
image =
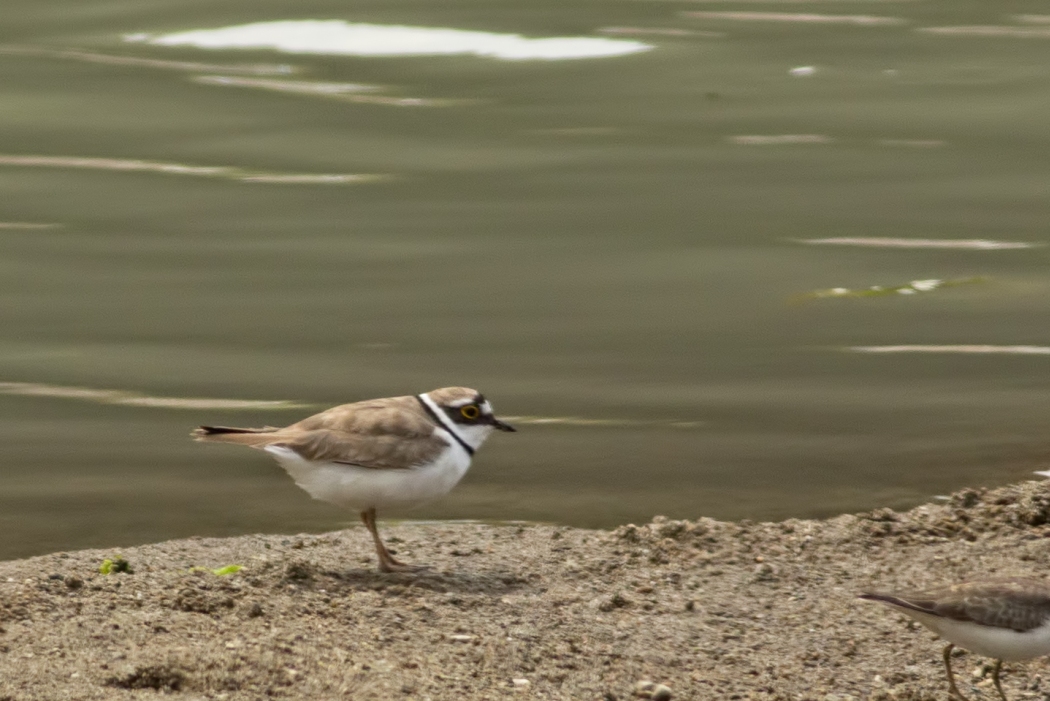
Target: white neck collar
[(439, 415)]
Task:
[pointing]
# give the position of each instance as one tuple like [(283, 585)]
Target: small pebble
[(616, 601), (650, 690), (764, 572)]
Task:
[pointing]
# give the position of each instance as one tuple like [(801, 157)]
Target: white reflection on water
[(609, 423), (913, 143), (26, 225), (911, 288), (347, 92), (989, 31), (779, 139), (1008, 350), (976, 244), (92, 57), (802, 17), (228, 172), (309, 87), (800, 2), (660, 31), (575, 131), (116, 396), (348, 39)]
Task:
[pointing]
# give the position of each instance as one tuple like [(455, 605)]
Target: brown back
[(382, 434)]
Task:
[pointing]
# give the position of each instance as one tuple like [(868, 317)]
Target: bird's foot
[(393, 565)]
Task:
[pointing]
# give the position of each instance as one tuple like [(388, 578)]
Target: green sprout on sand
[(221, 571), (911, 288), (116, 565), (228, 569)]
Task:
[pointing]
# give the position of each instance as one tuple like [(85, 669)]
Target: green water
[(582, 238)]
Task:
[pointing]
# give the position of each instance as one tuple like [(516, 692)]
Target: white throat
[(473, 436)]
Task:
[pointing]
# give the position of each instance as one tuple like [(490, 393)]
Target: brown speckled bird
[(1005, 619)]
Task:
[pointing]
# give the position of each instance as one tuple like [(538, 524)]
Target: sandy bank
[(710, 609)]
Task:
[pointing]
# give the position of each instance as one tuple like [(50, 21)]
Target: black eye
[(470, 412)]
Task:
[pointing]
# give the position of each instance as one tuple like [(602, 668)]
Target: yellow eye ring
[(470, 412)]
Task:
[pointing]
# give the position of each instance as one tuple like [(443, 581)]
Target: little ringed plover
[(379, 453), (1005, 619)]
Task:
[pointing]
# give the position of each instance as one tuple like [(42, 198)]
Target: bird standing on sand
[(1005, 619), (379, 453)]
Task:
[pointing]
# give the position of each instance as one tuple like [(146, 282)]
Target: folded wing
[(379, 434)]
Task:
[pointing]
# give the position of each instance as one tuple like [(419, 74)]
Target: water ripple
[(609, 423), (978, 349), (913, 143), (801, 2), (126, 398), (878, 242), (347, 92), (92, 57), (801, 17), (779, 139), (989, 31), (21, 225), (226, 172), (659, 31)]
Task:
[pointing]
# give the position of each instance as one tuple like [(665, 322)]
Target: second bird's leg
[(995, 678), (952, 689)]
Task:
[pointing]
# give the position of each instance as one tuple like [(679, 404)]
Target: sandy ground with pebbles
[(707, 609)]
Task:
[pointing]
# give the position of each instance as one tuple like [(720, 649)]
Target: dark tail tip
[(212, 430), (202, 431), (877, 596)]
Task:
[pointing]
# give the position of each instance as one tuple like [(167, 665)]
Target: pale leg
[(387, 563)]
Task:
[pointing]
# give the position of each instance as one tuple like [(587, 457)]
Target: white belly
[(997, 643), (361, 488)]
